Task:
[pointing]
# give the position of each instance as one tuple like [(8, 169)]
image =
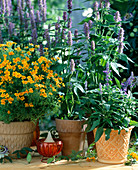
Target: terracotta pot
[(16, 135), (36, 134), (114, 150), (48, 149), (71, 134)]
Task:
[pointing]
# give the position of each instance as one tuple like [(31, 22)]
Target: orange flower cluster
[(91, 159), (20, 78)]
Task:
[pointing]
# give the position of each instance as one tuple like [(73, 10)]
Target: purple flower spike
[(101, 5), (72, 65), (121, 35), (92, 45), (3, 7), (56, 26), (34, 36), (76, 34), (69, 23), (38, 17), (11, 26), (90, 23), (69, 3), (69, 38), (120, 48), (33, 24), (117, 17), (86, 30), (44, 10), (107, 4), (107, 72), (26, 20), (95, 6), (63, 34), (100, 87), (64, 16), (97, 16)]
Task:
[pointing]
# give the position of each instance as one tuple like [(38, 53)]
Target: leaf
[(95, 124), (107, 106), (78, 86), (109, 18), (49, 160), (133, 123), (121, 66), (18, 155), (8, 158), (114, 67), (29, 158), (118, 83), (99, 133), (23, 152), (123, 57), (130, 60), (107, 134), (28, 149)]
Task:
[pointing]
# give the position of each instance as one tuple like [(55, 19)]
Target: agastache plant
[(95, 6), (69, 4), (120, 47), (117, 17), (121, 35), (70, 38), (100, 87), (69, 23), (72, 66), (65, 16)]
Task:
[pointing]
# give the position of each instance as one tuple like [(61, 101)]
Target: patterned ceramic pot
[(16, 135), (72, 134), (114, 150)]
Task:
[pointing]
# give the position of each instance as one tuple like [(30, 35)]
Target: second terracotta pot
[(72, 134)]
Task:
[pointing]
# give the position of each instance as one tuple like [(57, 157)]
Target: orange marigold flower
[(3, 102), (32, 49), (31, 90), (93, 159), (50, 93), (8, 112), (4, 55), (31, 105), (28, 52), (11, 53), (88, 159), (26, 105)]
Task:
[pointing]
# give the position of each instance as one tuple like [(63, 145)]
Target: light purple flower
[(97, 15), (95, 5), (100, 5), (121, 35), (107, 5), (69, 38), (10, 28), (100, 87), (33, 24), (72, 65), (107, 72), (76, 34), (92, 45), (38, 20), (63, 34), (129, 82), (65, 16), (117, 17), (69, 4), (44, 10), (90, 23), (128, 16), (120, 48), (3, 6), (86, 30), (57, 26), (69, 23), (21, 14)]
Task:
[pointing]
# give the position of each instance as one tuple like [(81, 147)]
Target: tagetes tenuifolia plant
[(28, 89)]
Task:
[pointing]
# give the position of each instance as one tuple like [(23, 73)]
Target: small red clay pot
[(48, 149)]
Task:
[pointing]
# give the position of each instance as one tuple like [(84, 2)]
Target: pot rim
[(69, 120), (131, 127)]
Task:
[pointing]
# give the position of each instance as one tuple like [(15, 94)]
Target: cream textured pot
[(71, 134), (114, 150), (16, 135)]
